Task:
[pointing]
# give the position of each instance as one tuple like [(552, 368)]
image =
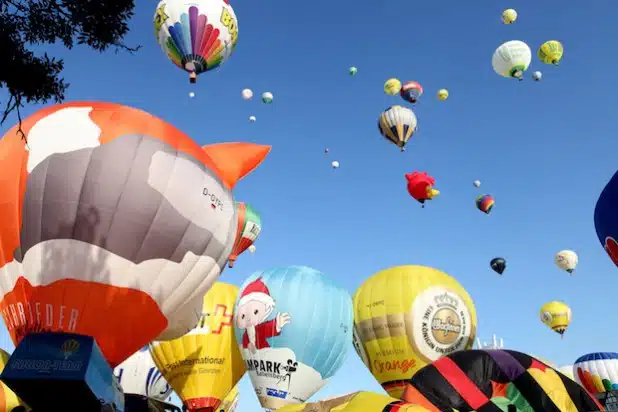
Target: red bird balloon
[(420, 186)]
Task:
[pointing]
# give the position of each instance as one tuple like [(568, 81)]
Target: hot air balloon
[(356, 402), (249, 228), (557, 316), (352, 71), (230, 403), (392, 86), (294, 327), (9, 401), (551, 52), (606, 218), (567, 371), (566, 260), (411, 91), (430, 315), (512, 59), (247, 94), (397, 124), (335, 164), (442, 94), (485, 203), (326, 151), (267, 97), (99, 228), (537, 76), (597, 372), (196, 36), (138, 375), (204, 365), (252, 119), (191, 95), (493, 380), (498, 265), (420, 186), (509, 16), (252, 249), (477, 183)]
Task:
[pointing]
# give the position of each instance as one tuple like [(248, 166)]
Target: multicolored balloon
[(139, 375), (267, 97), (204, 365), (107, 268), (606, 218), (352, 71), (485, 203), (196, 36), (429, 316), (248, 230), (557, 316), (398, 124), (491, 380), (294, 328), (597, 372), (411, 91)]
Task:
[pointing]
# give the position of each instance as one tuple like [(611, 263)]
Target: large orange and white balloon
[(113, 224)]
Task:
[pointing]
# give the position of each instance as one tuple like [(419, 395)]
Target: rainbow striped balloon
[(485, 203), (197, 36), (597, 372)]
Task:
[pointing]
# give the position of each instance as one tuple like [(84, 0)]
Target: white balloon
[(335, 164), (138, 375), (191, 94), (537, 76), (252, 119), (477, 183), (512, 59), (252, 248), (247, 94), (566, 260)]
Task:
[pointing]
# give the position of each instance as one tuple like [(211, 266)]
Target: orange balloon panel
[(113, 224)]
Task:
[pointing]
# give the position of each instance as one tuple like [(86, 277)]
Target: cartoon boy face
[(251, 314)]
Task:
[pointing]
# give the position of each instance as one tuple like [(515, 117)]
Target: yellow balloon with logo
[(556, 315), (8, 399), (205, 364), (442, 94), (406, 317), (392, 86), (551, 52), (356, 402)]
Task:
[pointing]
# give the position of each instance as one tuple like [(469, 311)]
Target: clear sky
[(543, 150)]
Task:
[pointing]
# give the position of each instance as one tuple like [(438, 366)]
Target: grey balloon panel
[(101, 195)]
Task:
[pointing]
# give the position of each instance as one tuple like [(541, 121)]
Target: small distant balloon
[(566, 260), (477, 183), (392, 86), (191, 94), (252, 119), (252, 249), (551, 52), (267, 97), (442, 94), (247, 94), (352, 71), (509, 16), (335, 164), (485, 203), (498, 265), (326, 151), (537, 76)]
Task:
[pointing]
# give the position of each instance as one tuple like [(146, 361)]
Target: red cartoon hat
[(257, 291)]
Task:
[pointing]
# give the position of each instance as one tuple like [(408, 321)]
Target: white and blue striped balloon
[(138, 375)]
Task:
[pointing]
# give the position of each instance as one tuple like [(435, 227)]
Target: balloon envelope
[(597, 372), (557, 316), (248, 229), (139, 375), (606, 218), (294, 328), (396, 334), (8, 398), (204, 365), (356, 402), (132, 219)]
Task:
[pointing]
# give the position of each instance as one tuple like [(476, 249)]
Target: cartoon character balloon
[(411, 91), (566, 260), (197, 35), (204, 365), (512, 59), (139, 375), (397, 124), (420, 186), (485, 203), (249, 228), (606, 218), (406, 317), (294, 328), (597, 372), (557, 316), (113, 221)]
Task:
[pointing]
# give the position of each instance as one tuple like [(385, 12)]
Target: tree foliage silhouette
[(28, 78)]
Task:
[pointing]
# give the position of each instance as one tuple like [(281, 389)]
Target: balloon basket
[(62, 371)]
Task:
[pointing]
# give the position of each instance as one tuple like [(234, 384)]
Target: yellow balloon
[(392, 86), (551, 52), (8, 399), (442, 94), (355, 402), (509, 16), (230, 402), (406, 317), (556, 315), (205, 364)]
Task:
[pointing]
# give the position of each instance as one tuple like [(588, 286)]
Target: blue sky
[(543, 150)]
